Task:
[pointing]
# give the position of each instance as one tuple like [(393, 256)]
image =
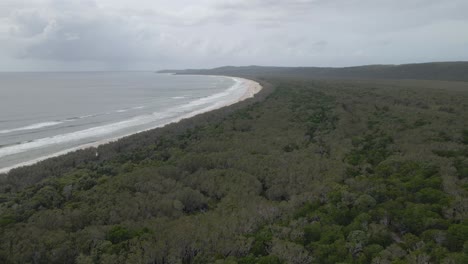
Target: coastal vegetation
[(309, 171), (448, 71)]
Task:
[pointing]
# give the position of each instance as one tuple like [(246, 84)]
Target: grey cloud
[(206, 33), (28, 23), (103, 39), (72, 36), (320, 45)]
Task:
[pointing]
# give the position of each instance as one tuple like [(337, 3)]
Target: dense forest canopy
[(309, 171), (448, 71)]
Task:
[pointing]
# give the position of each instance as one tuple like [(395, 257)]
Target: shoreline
[(252, 88)]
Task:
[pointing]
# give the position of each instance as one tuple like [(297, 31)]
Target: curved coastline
[(251, 88)]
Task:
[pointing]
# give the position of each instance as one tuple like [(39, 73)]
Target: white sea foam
[(76, 136), (166, 118), (211, 98), (44, 124), (86, 116), (72, 119), (31, 127), (172, 115), (128, 109)]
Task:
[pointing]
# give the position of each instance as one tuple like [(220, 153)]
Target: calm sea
[(45, 113)]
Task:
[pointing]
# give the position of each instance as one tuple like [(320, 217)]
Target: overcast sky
[(154, 34)]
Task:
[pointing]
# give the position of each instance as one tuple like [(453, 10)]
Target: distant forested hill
[(448, 71)]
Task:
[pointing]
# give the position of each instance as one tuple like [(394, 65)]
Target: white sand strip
[(251, 88)]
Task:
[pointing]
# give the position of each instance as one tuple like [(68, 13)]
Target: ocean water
[(42, 114)]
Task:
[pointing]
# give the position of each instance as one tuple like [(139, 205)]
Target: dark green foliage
[(6, 220), (312, 233), (260, 260), (262, 243), (306, 209), (450, 71), (464, 138), (371, 149), (421, 122), (457, 236), (269, 260), (118, 234), (311, 172), (47, 197), (462, 168)]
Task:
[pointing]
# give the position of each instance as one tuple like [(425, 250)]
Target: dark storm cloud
[(205, 33)]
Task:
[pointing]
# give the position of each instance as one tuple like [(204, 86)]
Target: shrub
[(457, 235), (118, 234)]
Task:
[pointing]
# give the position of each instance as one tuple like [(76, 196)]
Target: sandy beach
[(251, 88)]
